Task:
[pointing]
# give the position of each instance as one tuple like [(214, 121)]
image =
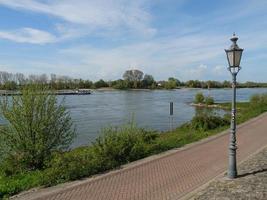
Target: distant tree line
[(131, 79)]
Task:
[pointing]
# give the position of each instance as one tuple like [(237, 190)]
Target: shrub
[(71, 165), (209, 100), (121, 145), (258, 99), (258, 103), (199, 98), (255, 98), (207, 122), (37, 125)]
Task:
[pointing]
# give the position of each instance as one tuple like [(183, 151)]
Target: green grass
[(121, 145), (20, 182)]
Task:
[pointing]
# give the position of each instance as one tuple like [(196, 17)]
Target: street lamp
[(234, 54)]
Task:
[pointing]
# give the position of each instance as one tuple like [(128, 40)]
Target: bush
[(115, 147), (258, 103), (255, 98), (209, 100), (37, 126), (199, 98), (207, 122), (258, 99), (71, 165), (121, 145)]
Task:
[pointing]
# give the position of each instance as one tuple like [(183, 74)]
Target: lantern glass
[(230, 58), (234, 57), (237, 58)]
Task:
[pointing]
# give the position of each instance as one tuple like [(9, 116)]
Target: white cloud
[(191, 48), (162, 57), (219, 69), (28, 35), (198, 72), (91, 15)]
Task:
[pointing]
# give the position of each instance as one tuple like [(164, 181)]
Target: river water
[(148, 108)]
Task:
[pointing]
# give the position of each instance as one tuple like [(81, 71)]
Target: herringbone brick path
[(166, 177)]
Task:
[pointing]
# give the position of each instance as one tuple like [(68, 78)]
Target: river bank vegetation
[(131, 79), (34, 151)]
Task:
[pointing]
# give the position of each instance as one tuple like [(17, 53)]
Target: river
[(148, 108)]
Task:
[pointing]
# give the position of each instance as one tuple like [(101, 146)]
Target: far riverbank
[(67, 91)]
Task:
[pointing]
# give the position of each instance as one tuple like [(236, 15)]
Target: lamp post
[(234, 54)]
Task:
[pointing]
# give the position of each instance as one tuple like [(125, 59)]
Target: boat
[(83, 91)]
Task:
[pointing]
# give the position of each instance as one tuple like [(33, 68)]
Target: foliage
[(115, 147), (120, 84), (258, 99), (255, 99), (37, 125), (207, 122), (199, 98), (72, 165), (121, 145), (209, 100), (101, 83), (258, 103), (134, 76), (172, 83), (148, 81), (132, 79), (194, 84), (14, 184)]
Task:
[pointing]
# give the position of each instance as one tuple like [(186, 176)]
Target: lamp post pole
[(232, 170), (234, 57)]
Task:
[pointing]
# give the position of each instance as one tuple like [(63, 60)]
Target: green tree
[(148, 81), (171, 83), (134, 76), (119, 84), (10, 85), (100, 83), (226, 84), (193, 84), (37, 126), (177, 82)]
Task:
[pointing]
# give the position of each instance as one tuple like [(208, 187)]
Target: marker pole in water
[(171, 116)]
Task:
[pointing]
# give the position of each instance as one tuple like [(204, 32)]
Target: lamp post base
[(232, 174)]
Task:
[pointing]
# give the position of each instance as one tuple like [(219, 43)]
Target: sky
[(100, 39)]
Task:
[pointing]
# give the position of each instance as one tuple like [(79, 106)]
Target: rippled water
[(150, 109)]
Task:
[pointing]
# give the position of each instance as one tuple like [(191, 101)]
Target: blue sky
[(95, 39)]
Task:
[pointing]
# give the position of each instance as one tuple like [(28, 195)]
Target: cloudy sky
[(95, 39)]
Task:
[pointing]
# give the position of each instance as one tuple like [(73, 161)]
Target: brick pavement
[(251, 184), (165, 177)]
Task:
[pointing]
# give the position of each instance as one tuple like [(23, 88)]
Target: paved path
[(169, 176), (251, 184)]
